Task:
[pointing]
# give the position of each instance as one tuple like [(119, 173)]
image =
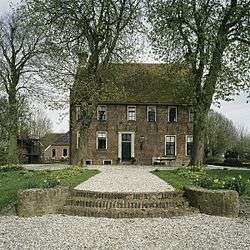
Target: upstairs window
[(78, 113), (65, 152), (170, 147), (151, 113), (101, 142), (102, 113), (131, 113), (191, 115), (189, 145), (172, 114)]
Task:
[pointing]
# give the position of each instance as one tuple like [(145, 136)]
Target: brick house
[(144, 121), (55, 147)]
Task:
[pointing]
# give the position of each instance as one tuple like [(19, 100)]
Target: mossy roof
[(56, 139), (147, 83)]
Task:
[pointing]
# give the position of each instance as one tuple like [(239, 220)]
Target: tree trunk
[(13, 128), (86, 94), (198, 138)]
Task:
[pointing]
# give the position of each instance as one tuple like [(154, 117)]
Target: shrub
[(8, 168), (204, 182), (215, 159), (192, 173), (237, 184), (50, 182)]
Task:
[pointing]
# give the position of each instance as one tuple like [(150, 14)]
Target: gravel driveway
[(66, 232), (125, 179)]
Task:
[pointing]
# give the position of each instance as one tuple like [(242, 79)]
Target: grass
[(177, 181), (12, 181)]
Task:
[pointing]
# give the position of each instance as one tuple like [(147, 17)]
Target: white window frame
[(149, 107), (129, 107), (175, 150), (120, 143), (176, 112), (106, 136), (187, 143), (189, 115), (106, 112), (111, 162), (77, 139), (78, 113)]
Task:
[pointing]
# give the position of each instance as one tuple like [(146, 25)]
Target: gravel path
[(125, 179), (66, 232)]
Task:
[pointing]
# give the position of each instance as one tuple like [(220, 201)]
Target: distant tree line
[(222, 137)]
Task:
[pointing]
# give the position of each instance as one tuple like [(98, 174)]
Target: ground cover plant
[(212, 179), (14, 178)]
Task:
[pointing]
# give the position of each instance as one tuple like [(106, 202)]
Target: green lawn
[(177, 181), (12, 181)]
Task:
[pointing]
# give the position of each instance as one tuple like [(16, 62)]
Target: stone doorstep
[(131, 203), (126, 205), (126, 213), (115, 195)]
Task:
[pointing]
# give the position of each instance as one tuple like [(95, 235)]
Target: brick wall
[(59, 153), (153, 144)]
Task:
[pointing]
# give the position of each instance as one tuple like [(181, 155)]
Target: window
[(151, 114), (65, 152), (189, 145), (77, 139), (131, 113), (172, 114), (78, 113), (53, 152), (102, 113), (107, 162), (101, 140), (170, 149), (88, 162), (191, 115)]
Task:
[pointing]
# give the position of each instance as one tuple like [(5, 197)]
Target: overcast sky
[(238, 111)]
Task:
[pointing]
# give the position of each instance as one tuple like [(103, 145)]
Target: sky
[(238, 110)]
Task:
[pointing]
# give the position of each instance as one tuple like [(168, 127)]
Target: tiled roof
[(62, 140), (147, 83), (55, 139)]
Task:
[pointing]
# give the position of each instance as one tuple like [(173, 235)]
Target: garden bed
[(14, 178), (215, 179)]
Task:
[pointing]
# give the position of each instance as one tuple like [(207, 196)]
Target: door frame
[(120, 143)]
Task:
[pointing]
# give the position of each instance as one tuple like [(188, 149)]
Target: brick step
[(126, 213), (126, 203), (113, 195)]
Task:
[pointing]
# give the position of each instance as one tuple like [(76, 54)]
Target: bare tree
[(20, 43), (212, 38), (39, 124), (220, 135), (94, 32)]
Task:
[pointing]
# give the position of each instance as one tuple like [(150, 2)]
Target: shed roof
[(55, 139)]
